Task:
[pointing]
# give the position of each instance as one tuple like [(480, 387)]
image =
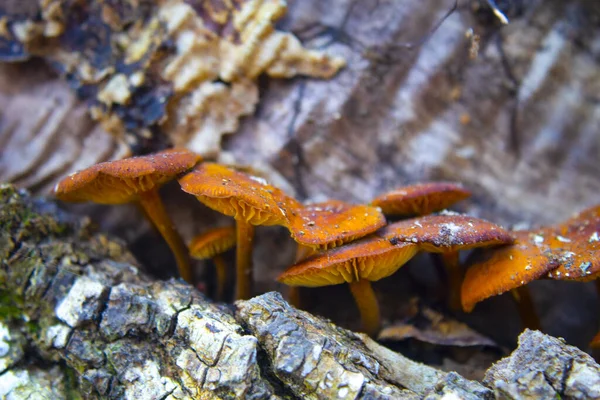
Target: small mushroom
[(357, 263), (568, 251), (420, 199), (212, 244), (320, 226), (507, 268), (135, 179), (246, 198), (448, 234)]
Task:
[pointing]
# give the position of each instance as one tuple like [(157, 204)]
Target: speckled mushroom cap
[(577, 244), (420, 199), (331, 223), (444, 233), (506, 268), (117, 182), (237, 194), (213, 242), (370, 258)]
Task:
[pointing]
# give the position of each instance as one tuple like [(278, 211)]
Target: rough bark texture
[(78, 318)]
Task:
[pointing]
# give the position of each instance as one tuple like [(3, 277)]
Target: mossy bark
[(79, 320)]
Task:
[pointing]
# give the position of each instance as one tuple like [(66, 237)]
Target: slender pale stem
[(529, 317), (221, 270), (155, 211), (245, 235), (456, 275), (367, 305)]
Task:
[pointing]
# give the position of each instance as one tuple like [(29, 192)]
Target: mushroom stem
[(367, 305), (245, 235), (155, 211), (303, 252), (529, 317), (294, 296), (456, 274), (221, 270)]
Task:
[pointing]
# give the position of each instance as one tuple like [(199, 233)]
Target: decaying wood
[(76, 300), (163, 72)]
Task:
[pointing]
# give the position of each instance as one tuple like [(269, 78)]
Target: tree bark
[(76, 300)]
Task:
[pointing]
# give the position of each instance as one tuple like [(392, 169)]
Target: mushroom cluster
[(340, 242)]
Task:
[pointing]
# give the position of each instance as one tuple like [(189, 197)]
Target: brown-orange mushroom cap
[(213, 242), (331, 223), (135, 179), (420, 199), (237, 194), (121, 181), (595, 343), (568, 251), (370, 258), (576, 243), (506, 268), (446, 233)]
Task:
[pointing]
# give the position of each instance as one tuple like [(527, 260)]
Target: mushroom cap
[(420, 199), (370, 258), (445, 233), (576, 243), (212, 242), (506, 268), (239, 195), (331, 223), (118, 182), (595, 343)]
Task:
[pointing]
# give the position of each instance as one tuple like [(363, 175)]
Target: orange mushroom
[(569, 251), (329, 224), (357, 263), (595, 343), (135, 179), (448, 234), (248, 199), (326, 225), (212, 244), (577, 244), (420, 199)]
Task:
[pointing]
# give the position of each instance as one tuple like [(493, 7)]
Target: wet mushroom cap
[(576, 243), (237, 194), (118, 182), (445, 233), (420, 199), (212, 243), (332, 223), (370, 258), (506, 268)]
